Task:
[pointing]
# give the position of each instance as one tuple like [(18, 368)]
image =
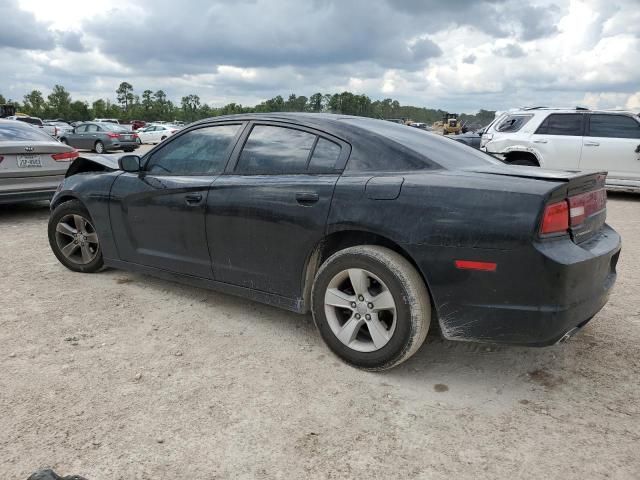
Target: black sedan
[(379, 230)]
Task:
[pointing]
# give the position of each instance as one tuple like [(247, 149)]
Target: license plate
[(126, 137), (29, 161)]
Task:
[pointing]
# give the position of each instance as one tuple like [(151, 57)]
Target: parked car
[(469, 138), (377, 228), (156, 133), (578, 139), (106, 120), (32, 164), (59, 128), (101, 137), (36, 122)]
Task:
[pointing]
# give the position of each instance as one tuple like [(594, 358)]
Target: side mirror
[(129, 163)]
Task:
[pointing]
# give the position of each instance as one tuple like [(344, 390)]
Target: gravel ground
[(120, 376)]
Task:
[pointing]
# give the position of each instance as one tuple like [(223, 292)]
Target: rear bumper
[(122, 145), (27, 189), (31, 196), (535, 296), (622, 185)]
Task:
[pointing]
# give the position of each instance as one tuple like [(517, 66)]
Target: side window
[(325, 157), (202, 151), (81, 129), (513, 123), (614, 126), (569, 124), (91, 128), (272, 150)]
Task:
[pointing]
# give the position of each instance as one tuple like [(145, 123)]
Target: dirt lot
[(121, 376)]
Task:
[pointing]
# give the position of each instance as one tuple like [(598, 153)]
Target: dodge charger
[(379, 230)]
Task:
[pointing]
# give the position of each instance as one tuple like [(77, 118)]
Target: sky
[(458, 55)]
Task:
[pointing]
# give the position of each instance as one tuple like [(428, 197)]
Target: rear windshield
[(19, 132), (112, 127), (512, 123), (442, 150)]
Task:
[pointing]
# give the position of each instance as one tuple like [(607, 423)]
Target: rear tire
[(392, 311), (99, 147), (73, 238)]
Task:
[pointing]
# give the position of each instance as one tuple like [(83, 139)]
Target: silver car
[(32, 164)]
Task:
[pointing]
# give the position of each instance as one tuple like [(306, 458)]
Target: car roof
[(368, 136), (532, 110)]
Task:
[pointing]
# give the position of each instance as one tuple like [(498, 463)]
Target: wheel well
[(61, 200), (520, 155), (350, 238)]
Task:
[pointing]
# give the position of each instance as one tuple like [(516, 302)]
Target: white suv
[(577, 139)]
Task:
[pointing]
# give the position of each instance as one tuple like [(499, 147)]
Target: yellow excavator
[(449, 125)]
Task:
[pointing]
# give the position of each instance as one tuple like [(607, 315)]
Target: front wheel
[(371, 307), (73, 238)]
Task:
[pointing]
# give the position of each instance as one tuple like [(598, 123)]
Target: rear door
[(558, 139), (612, 143), (268, 212), (158, 214)]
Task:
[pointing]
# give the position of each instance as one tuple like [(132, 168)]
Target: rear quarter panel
[(442, 216)]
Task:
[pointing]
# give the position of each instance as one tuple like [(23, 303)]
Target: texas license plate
[(29, 161)]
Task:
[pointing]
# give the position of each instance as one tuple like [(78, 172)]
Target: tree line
[(154, 106)]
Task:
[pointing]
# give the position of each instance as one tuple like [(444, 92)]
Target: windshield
[(440, 149), (20, 132)]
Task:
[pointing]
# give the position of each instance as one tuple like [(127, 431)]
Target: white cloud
[(494, 56)]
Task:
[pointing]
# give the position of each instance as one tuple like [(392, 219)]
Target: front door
[(269, 211), (77, 138), (158, 215), (613, 144)]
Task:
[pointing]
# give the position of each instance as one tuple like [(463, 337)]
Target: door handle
[(540, 141), (193, 198), (591, 144), (306, 198)]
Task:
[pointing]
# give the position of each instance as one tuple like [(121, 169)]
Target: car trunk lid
[(27, 159), (584, 194)]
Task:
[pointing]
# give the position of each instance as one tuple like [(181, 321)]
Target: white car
[(565, 139), (155, 133)]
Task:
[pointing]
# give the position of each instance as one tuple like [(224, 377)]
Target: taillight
[(113, 135), (135, 135), (65, 156), (556, 218), (584, 205)]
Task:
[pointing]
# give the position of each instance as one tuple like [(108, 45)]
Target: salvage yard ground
[(121, 376)]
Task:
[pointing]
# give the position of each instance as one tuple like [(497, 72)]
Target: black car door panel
[(261, 228), (158, 214), (269, 211)]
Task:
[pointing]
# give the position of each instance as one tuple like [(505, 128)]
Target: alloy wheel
[(77, 239), (360, 310)]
